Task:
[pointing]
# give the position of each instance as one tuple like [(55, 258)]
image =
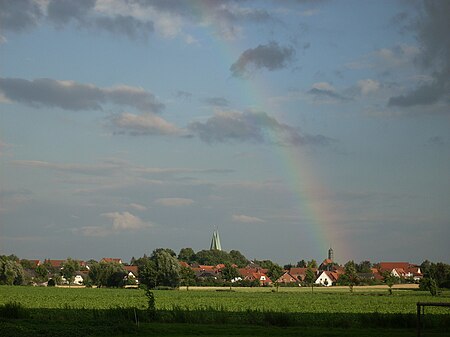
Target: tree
[(229, 273), (11, 271), (42, 272), (167, 267), (186, 255), (364, 267), (69, 268), (187, 277), (302, 264), (107, 274), (312, 264), (27, 264), (390, 280), (238, 259), (350, 272), (310, 278), (212, 257), (275, 272)]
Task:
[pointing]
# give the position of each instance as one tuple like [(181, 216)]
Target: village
[(189, 268), (327, 274)]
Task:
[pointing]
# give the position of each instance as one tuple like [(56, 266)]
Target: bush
[(51, 283)]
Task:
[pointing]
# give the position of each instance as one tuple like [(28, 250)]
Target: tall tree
[(238, 258), (11, 271), (229, 273), (69, 268), (167, 267), (302, 264), (310, 277), (186, 255), (274, 273), (312, 264), (187, 277)]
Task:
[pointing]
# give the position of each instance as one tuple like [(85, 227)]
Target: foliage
[(186, 255), (107, 274), (429, 284), (69, 268), (161, 269), (212, 257), (302, 264), (390, 280), (312, 264), (363, 267), (41, 273), (238, 258), (229, 273), (309, 278), (187, 277), (11, 271)]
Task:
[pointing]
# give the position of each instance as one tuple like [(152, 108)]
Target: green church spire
[(215, 241)]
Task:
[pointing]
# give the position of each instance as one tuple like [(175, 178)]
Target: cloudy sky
[(293, 126)]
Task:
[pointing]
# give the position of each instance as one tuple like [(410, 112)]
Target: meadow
[(337, 308)]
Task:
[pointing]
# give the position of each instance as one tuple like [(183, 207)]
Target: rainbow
[(315, 212)]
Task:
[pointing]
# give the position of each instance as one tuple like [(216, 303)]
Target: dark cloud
[(432, 26), (256, 127), (325, 92), (70, 95), (217, 101), (270, 56), (18, 15), (62, 11)]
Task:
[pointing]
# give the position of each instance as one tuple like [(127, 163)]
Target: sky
[(291, 126)]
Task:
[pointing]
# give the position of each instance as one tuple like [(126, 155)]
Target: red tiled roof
[(133, 269), (55, 263), (111, 259)]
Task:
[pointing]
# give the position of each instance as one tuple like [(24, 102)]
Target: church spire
[(330, 254), (215, 241)]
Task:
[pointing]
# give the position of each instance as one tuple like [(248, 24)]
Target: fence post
[(418, 319)]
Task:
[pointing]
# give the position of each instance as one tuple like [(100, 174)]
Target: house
[(300, 273), (327, 264), (54, 263), (327, 278), (287, 278), (78, 279), (252, 274), (401, 270), (132, 273)]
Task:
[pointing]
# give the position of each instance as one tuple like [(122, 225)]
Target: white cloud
[(137, 207), (246, 219), (174, 202), (145, 124), (126, 221)]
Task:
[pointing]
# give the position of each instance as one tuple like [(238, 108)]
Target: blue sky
[(292, 126)]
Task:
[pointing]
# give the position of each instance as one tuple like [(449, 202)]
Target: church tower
[(215, 241), (330, 254)]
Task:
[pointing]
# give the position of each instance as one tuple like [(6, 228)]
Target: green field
[(290, 300), (118, 311)]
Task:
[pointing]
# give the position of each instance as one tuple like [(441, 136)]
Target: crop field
[(54, 311), (295, 300)]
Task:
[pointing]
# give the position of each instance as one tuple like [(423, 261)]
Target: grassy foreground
[(242, 312)]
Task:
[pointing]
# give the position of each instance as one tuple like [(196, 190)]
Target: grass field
[(327, 311)]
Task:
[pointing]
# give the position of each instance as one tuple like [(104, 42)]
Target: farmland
[(366, 300), (325, 308)]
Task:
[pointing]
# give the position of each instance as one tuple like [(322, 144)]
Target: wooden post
[(418, 319)]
